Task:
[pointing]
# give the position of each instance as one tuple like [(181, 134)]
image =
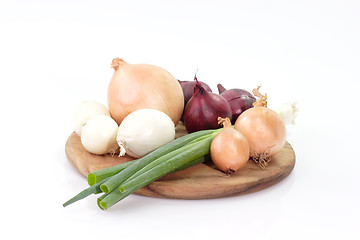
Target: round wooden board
[(202, 181)]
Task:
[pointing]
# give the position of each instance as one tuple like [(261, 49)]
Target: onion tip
[(262, 101), (224, 121), (195, 78), (116, 62), (221, 89)]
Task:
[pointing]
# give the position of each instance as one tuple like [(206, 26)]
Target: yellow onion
[(139, 86), (264, 130), (229, 150)]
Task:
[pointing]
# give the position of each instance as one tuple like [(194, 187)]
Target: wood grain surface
[(202, 181)]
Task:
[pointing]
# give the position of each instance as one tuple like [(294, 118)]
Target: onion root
[(261, 159)]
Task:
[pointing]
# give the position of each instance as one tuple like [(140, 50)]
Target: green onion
[(97, 176), (120, 177), (119, 181), (100, 199), (180, 157), (83, 194), (116, 195), (173, 161)]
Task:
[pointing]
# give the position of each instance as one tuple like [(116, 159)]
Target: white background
[(55, 54)]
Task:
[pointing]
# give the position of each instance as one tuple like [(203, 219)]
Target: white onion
[(98, 136), (85, 111), (144, 130)]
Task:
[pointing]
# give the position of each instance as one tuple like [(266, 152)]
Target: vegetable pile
[(120, 181), (146, 103)]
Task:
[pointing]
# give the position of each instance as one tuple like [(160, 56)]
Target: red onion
[(204, 108), (239, 100), (182, 82), (188, 88), (188, 91)]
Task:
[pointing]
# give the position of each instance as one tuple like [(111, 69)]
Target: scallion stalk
[(157, 154), (83, 194), (123, 179), (181, 157)]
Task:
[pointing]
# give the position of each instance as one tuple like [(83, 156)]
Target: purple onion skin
[(188, 91), (239, 100), (203, 109), (182, 82)]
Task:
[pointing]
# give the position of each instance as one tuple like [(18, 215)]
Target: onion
[(138, 86), (98, 136), (188, 88), (264, 130), (203, 109), (85, 111), (229, 150), (239, 100), (144, 130), (182, 82)]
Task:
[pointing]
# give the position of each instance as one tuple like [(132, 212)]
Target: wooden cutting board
[(202, 181)]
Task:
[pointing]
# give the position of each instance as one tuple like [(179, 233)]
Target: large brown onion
[(263, 129), (138, 86)]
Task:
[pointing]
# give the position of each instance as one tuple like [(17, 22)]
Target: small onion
[(98, 136), (144, 130), (85, 111), (264, 130), (229, 150)]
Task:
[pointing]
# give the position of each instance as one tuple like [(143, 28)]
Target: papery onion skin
[(264, 130), (229, 150), (138, 86)]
